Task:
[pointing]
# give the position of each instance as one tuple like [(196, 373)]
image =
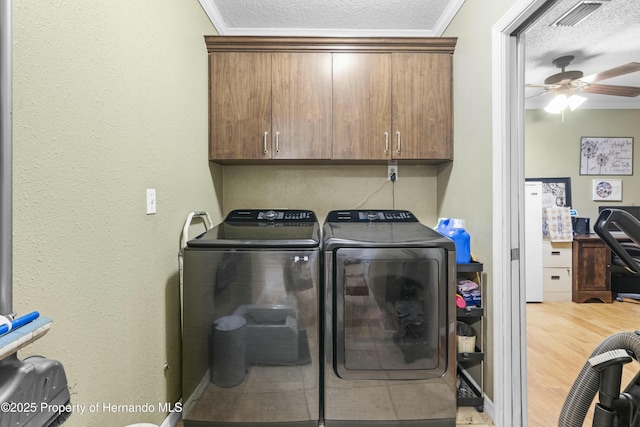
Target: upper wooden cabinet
[(269, 106), (239, 105), (301, 102), (421, 106), (339, 99), (361, 106), (393, 106)]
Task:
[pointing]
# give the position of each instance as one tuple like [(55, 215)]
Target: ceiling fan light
[(575, 101), (557, 104), (552, 110)]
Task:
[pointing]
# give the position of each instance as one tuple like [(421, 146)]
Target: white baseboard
[(173, 418), (489, 409)]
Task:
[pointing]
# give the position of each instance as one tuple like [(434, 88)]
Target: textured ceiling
[(608, 38), (384, 18)]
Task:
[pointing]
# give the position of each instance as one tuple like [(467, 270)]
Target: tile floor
[(471, 417), (467, 417)]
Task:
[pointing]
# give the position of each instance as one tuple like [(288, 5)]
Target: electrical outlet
[(392, 172), (151, 201)]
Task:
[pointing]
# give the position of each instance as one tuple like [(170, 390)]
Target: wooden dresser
[(591, 277)]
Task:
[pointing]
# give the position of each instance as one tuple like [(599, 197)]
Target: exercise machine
[(602, 373)]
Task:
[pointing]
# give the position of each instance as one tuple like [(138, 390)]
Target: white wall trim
[(446, 18), (216, 19), (489, 409), (509, 322), (501, 243), (325, 32), (173, 418)]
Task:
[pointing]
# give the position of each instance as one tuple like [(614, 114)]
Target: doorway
[(509, 322)]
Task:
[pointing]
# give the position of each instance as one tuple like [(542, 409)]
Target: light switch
[(151, 201)]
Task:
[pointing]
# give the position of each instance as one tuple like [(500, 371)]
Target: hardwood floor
[(560, 338)]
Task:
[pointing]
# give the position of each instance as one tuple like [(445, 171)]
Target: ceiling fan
[(566, 84)]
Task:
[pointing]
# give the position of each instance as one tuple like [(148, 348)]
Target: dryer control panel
[(249, 216), (371, 216)]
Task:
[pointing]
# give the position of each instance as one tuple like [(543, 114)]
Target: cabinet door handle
[(398, 136), (277, 142), (555, 277), (555, 252), (264, 142), (386, 143)]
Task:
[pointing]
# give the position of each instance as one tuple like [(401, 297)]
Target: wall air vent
[(577, 14)]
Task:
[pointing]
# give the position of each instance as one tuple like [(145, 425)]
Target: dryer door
[(390, 313)]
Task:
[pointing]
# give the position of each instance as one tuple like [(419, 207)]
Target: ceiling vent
[(577, 14)]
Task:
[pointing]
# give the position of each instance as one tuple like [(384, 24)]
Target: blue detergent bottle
[(443, 226), (462, 240)]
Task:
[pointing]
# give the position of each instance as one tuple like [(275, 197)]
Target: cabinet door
[(422, 106), (301, 102), (240, 109), (593, 266), (361, 106), (591, 271)]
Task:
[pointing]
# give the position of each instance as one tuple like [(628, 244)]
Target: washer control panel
[(246, 216), (371, 216)]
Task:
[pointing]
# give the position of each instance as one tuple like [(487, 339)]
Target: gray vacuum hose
[(586, 386)]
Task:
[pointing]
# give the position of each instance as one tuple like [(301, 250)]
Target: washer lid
[(380, 229), (249, 228)]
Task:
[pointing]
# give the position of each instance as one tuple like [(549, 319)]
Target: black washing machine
[(250, 321), (389, 335)]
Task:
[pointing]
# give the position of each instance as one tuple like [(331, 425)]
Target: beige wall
[(110, 98), (325, 188), (552, 149), (465, 186)]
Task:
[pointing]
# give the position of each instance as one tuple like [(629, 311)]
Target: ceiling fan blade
[(545, 86), (537, 95), (629, 91), (631, 67)]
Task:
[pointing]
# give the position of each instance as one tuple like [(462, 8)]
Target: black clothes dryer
[(389, 327)]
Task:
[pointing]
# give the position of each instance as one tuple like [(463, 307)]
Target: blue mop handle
[(20, 321)]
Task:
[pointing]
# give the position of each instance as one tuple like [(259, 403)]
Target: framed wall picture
[(606, 156), (555, 191), (609, 190)]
